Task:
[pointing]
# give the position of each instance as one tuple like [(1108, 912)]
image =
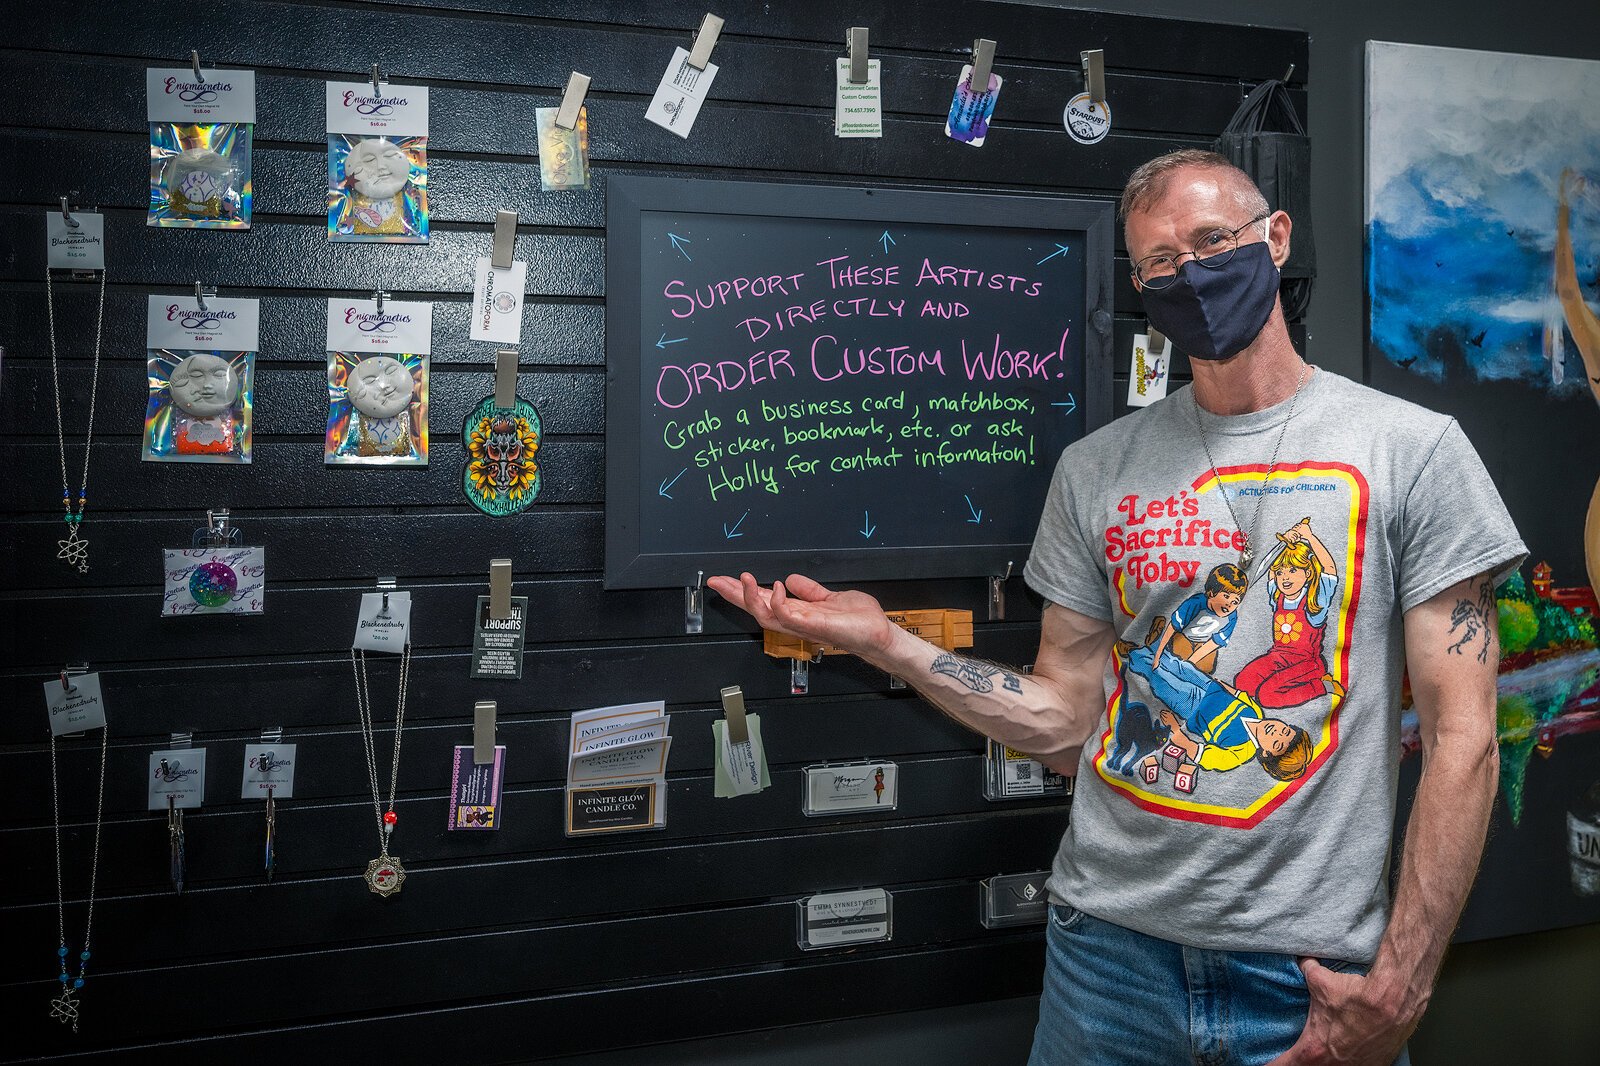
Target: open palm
[(851, 621)]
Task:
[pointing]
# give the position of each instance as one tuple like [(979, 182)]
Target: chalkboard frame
[(628, 197)]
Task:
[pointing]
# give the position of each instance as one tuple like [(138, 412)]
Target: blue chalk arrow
[(729, 534), (1061, 249), (887, 240), (663, 342), (678, 243), (867, 528), (665, 485), (977, 515), (1069, 403)]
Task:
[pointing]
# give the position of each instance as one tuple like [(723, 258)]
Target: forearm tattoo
[(1473, 623), (976, 674)]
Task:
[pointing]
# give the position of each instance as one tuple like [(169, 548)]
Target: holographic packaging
[(378, 383), (201, 373), (563, 154), (377, 163), (200, 135)]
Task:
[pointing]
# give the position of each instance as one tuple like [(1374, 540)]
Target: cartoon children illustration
[(1186, 645), (1224, 729), (1301, 595)]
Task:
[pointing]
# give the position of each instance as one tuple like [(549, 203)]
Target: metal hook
[(194, 61), (200, 297), (66, 684), (376, 77), (66, 215), (378, 296), (1288, 73)]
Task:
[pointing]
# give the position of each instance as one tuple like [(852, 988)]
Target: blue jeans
[(1114, 996)]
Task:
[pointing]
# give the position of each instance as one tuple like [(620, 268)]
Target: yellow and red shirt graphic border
[(1328, 740)]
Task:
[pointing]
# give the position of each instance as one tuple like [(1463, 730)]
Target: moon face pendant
[(385, 875)]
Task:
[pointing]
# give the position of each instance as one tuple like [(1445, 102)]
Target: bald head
[(1149, 184)]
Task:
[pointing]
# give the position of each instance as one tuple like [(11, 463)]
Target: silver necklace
[(384, 874), (1247, 554), (64, 1008), (74, 550)]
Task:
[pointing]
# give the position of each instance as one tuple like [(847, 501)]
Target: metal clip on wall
[(505, 239), (378, 297), (572, 100), (483, 727), (704, 41), (377, 77), (386, 585), (982, 65), (66, 213), (997, 594), (217, 532), (856, 42), (201, 294), (499, 588), (1094, 74), (694, 604), (194, 63), (505, 378)]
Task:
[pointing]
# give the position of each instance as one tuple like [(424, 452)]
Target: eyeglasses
[(1212, 251)]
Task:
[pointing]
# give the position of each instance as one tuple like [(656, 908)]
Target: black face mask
[(1216, 312)]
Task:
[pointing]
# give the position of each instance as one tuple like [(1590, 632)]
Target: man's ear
[(1278, 227)]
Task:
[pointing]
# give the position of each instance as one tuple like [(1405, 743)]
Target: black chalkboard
[(852, 383)]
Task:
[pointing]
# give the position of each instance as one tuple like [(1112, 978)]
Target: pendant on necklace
[(385, 875), (74, 549), (1246, 556), (64, 1008)]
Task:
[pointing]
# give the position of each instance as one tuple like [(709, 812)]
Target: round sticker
[(213, 584), (1087, 121)]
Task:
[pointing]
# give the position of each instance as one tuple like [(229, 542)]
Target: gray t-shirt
[(1268, 829)]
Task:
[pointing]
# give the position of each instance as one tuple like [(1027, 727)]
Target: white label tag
[(679, 96), (268, 766), (378, 629), (1087, 121), (401, 109), (598, 720), (497, 303), (83, 248), (1147, 372), (177, 322), (846, 918), (624, 734), (858, 109), (76, 709), (172, 95), (741, 769), (214, 581), (356, 326), (625, 762), (180, 773), (863, 786)]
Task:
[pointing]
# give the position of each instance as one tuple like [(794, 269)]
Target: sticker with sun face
[(502, 472)]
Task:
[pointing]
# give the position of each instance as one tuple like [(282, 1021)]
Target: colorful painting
[(1483, 272)]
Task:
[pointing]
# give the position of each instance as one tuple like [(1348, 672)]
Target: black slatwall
[(519, 944)]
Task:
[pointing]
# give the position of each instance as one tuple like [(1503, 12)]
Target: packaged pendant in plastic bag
[(377, 163), (200, 134), (378, 382), (201, 364)]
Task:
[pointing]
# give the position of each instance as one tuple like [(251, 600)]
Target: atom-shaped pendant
[(74, 550), (64, 1009)]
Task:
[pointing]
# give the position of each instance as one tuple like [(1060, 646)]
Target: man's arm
[(1453, 690), (1049, 714)]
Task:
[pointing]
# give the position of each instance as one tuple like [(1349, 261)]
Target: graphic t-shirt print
[(1229, 700)]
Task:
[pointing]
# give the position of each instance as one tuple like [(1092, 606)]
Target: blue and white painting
[(1465, 156), (1483, 275)]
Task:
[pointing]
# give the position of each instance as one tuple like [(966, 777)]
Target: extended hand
[(1349, 1022), (851, 621)]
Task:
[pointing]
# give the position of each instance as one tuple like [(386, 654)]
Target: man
[(1249, 922)]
